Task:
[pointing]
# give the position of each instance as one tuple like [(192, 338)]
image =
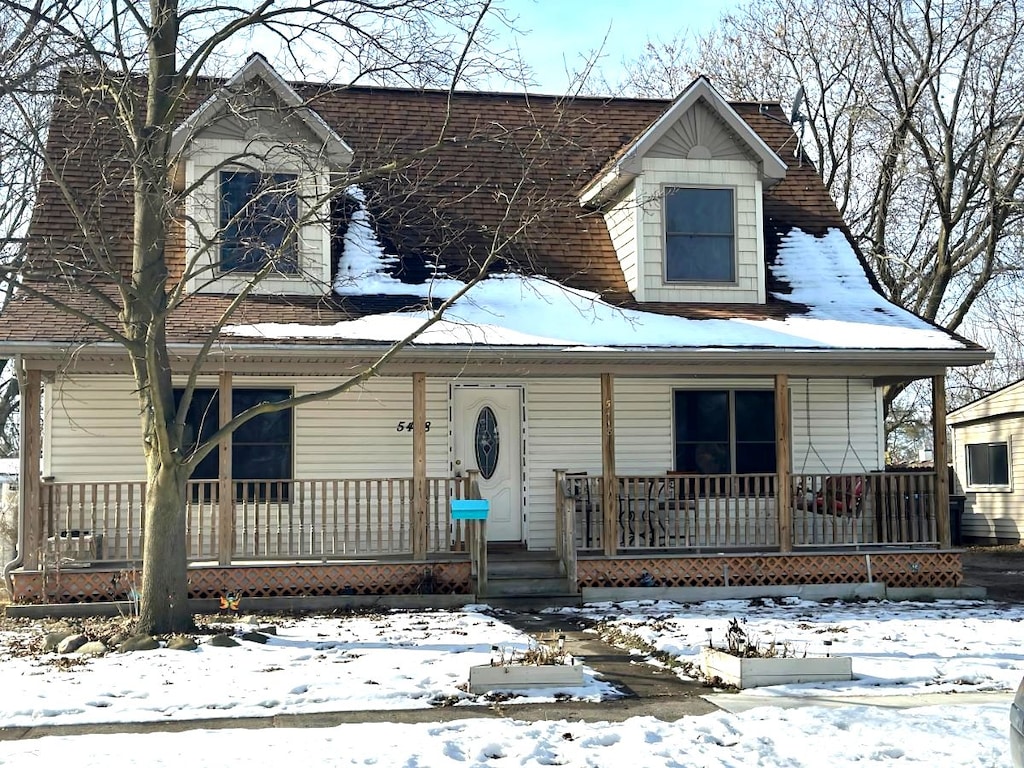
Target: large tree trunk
[(164, 602), (164, 607)]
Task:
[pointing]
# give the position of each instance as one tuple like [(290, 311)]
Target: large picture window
[(258, 214), (724, 431), (988, 464), (699, 235), (261, 449)]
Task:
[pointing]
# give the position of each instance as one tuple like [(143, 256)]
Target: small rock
[(52, 639), (270, 629), (255, 637), (223, 641), (71, 643), (181, 643), (139, 643), (250, 619), (93, 648)]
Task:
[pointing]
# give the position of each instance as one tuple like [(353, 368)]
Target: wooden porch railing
[(873, 508), (674, 512), (308, 519), (728, 512)]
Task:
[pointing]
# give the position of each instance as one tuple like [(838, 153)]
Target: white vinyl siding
[(741, 176), (1006, 402), (205, 156), (355, 435), (834, 439), (622, 221), (841, 435), (995, 514), (563, 432), (93, 431)]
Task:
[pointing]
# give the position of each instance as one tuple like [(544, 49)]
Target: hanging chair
[(839, 495)]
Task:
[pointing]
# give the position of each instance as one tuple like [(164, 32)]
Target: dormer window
[(258, 217), (700, 235)]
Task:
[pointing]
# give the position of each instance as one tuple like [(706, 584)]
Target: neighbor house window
[(988, 464), (258, 214), (719, 432), (699, 235), (261, 449)]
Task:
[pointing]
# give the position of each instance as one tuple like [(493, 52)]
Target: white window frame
[(995, 487), (666, 191), (296, 234)]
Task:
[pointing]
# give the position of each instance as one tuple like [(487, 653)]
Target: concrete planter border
[(752, 673), (513, 677)]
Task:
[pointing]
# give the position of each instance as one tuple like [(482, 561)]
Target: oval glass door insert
[(486, 442)]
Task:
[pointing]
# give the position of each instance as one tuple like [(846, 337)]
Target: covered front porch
[(395, 534)]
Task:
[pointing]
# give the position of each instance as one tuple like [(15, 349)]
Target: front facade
[(988, 465), (671, 371)]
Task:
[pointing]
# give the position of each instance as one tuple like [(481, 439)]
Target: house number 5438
[(408, 426)]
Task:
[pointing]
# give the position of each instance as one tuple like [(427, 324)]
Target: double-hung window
[(258, 217), (720, 432), (988, 464), (261, 449), (700, 235)]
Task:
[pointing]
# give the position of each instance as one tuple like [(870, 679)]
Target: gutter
[(19, 552), (236, 347)]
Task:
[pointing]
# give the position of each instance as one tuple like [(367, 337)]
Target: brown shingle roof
[(445, 207)]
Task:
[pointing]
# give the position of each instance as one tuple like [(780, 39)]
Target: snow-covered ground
[(897, 648), (403, 660)]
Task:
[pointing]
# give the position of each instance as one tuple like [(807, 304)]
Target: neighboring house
[(671, 375), (988, 465), (8, 508)]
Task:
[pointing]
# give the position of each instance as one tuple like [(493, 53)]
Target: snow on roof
[(518, 310)]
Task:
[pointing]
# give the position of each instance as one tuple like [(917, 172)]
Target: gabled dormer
[(256, 165), (683, 203)]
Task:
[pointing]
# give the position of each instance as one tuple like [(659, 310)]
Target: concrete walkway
[(649, 691)]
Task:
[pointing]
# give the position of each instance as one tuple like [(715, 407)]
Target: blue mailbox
[(470, 509)]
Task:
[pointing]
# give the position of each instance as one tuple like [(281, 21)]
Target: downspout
[(19, 553)]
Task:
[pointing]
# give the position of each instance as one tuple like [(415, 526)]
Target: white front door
[(488, 437)]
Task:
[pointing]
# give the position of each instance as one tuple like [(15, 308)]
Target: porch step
[(500, 568), (504, 587), (515, 573)]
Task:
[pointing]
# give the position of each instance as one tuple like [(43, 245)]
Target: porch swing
[(839, 495)]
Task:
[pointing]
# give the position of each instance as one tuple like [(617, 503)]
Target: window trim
[(666, 191), (219, 226), (731, 398), (990, 487), (214, 410)]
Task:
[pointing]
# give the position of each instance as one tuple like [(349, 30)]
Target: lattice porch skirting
[(895, 569), (292, 580)]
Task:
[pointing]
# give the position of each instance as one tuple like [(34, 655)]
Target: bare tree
[(128, 293), (913, 118), (30, 57)]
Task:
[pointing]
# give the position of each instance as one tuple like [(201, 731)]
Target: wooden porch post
[(939, 460), (783, 469), (31, 489), (419, 466), (225, 494), (610, 499)]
